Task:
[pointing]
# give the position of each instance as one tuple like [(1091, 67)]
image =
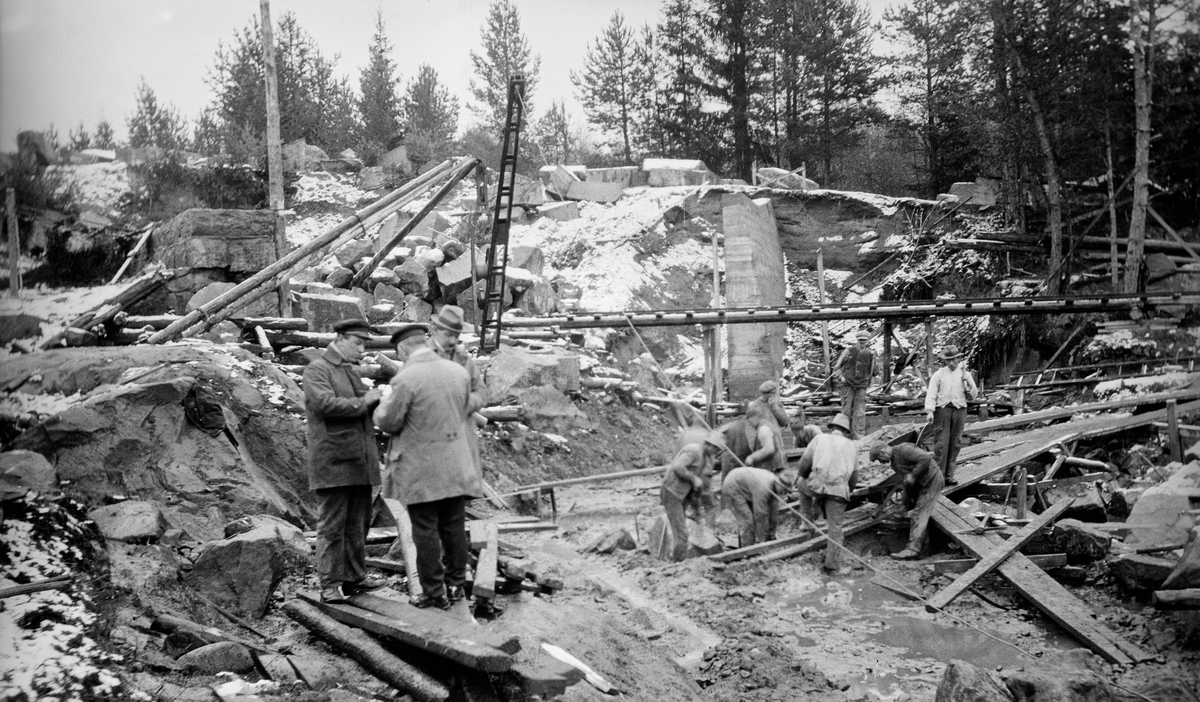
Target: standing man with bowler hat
[(856, 367), (946, 408), (430, 461), (444, 330), (343, 461), (826, 474)]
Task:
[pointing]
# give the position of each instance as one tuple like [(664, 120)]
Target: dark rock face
[(963, 682)]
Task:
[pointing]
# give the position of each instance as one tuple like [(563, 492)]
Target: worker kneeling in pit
[(923, 482)]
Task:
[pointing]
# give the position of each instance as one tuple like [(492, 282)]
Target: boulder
[(415, 310), (135, 521), (963, 682), (339, 277), (323, 311), (19, 326), (539, 298), (431, 258), (1187, 572), (412, 278), (371, 178), (1165, 507), (354, 250), (382, 275), (618, 539), (240, 573), (396, 161), (452, 249), (381, 314), (530, 258), (454, 277), (388, 293), (1081, 543), (779, 178), (1139, 572), (1057, 685), (517, 278), (147, 570), (22, 471), (513, 368), (560, 211), (547, 409), (1086, 507), (223, 656)]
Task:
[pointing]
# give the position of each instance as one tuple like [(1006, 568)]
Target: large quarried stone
[(1138, 572), (756, 278), (415, 310), (222, 656), (239, 241), (547, 409), (527, 191), (241, 572), (595, 191), (324, 311), (963, 682), (1165, 507), (539, 298), (265, 306), (1081, 543), (779, 178), (625, 176), (513, 368), (531, 258), (387, 293), (22, 471), (454, 277), (137, 521), (413, 277), (560, 211)]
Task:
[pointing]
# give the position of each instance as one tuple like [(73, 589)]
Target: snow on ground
[(1145, 385), (97, 186)]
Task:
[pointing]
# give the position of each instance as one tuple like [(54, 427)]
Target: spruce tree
[(681, 120), (506, 53), (104, 138), (154, 124), (379, 104), (80, 139), (431, 116), (553, 136), (611, 84)]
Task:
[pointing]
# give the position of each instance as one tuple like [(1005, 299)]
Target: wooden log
[(430, 630), (227, 304), (738, 554), (1187, 598), (374, 657), (1173, 432), (141, 242), (14, 243), (135, 292), (407, 547), (1007, 488), (1022, 480), (1027, 418), (485, 567), (169, 623), (990, 561), (818, 541), (504, 413), (654, 470), (41, 585), (962, 565)]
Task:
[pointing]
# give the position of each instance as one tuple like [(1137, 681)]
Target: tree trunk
[(1143, 79), (1115, 267)]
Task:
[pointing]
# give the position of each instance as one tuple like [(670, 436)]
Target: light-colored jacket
[(949, 387), (830, 465), (429, 456)]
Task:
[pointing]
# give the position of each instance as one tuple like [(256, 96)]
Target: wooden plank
[(653, 470), (996, 556), (519, 528), (477, 532), (427, 629), (1020, 420), (853, 516), (386, 564), (962, 565), (816, 542), (1040, 589), (1005, 488), (1187, 598), (485, 567)]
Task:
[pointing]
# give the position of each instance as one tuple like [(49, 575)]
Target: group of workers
[(752, 460), (432, 463)]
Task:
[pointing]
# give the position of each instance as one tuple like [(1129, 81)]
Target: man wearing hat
[(768, 396), (826, 474), (946, 408), (429, 460), (343, 461), (445, 328), (685, 484), (923, 482), (855, 367)]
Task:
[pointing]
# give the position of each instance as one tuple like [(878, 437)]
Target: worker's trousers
[(439, 530), (919, 514), (854, 406), (757, 513), (948, 422), (344, 516)]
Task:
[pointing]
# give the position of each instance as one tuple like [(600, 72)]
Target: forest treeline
[(1036, 93)]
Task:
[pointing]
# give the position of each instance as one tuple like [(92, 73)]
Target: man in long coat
[(430, 461), (343, 461)]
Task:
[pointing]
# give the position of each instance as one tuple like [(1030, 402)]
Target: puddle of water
[(926, 639)]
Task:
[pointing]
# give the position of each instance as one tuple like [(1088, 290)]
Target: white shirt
[(949, 387)]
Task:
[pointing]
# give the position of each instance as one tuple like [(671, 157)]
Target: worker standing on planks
[(686, 486), (827, 472), (444, 329), (856, 367), (923, 482), (343, 461), (946, 407), (428, 414)]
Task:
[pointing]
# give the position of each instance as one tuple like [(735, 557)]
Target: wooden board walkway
[(1020, 420), (1040, 589), (427, 629)]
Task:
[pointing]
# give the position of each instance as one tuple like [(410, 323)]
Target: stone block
[(561, 179), (223, 656), (386, 292), (323, 311), (513, 368), (781, 179), (340, 278), (22, 471), (352, 251), (454, 277), (452, 249), (594, 192), (381, 314), (1166, 507), (396, 161), (667, 178), (673, 164), (381, 276), (1087, 507), (1081, 543), (531, 258), (625, 176), (539, 298), (430, 258), (547, 409), (517, 279), (527, 191), (560, 211), (415, 309), (963, 682), (207, 294), (138, 521), (249, 255), (412, 278), (1140, 572), (371, 178)]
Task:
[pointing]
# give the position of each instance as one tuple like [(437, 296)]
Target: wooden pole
[(1173, 432), (1022, 481), (14, 244), (718, 393), (929, 345), (132, 253), (824, 324), (274, 148), (1114, 265)]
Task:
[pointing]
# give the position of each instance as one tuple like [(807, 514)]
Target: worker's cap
[(863, 334), (450, 318), (841, 421), (950, 352), (716, 438), (769, 386), (407, 330), (353, 327), (878, 450)]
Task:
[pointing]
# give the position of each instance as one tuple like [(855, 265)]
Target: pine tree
[(650, 101), (105, 138), (152, 124), (553, 135), (506, 53), (80, 139), (380, 101), (611, 83), (208, 136), (682, 122), (431, 116)]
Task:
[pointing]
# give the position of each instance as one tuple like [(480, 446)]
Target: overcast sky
[(71, 61)]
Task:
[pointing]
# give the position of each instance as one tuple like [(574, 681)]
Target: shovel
[(590, 675)]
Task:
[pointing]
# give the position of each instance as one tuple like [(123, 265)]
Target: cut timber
[(384, 665), (388, 564), (995, 557), (404, 542), (849, 529), (853, 516), (962, 565), (135, 292), (29, 588), (1188, 598), (485, 567), (1020, 420), (653, 470), (429, 630), (1043, 591), (170, 623)]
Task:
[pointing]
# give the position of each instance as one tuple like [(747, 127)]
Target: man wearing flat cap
[(768, 396), (946, 408), (343, 461), (855, 368), (429, 457)]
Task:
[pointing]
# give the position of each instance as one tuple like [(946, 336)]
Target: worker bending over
[(923, 482), (686, 486), (754, 495), (828, 471)]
